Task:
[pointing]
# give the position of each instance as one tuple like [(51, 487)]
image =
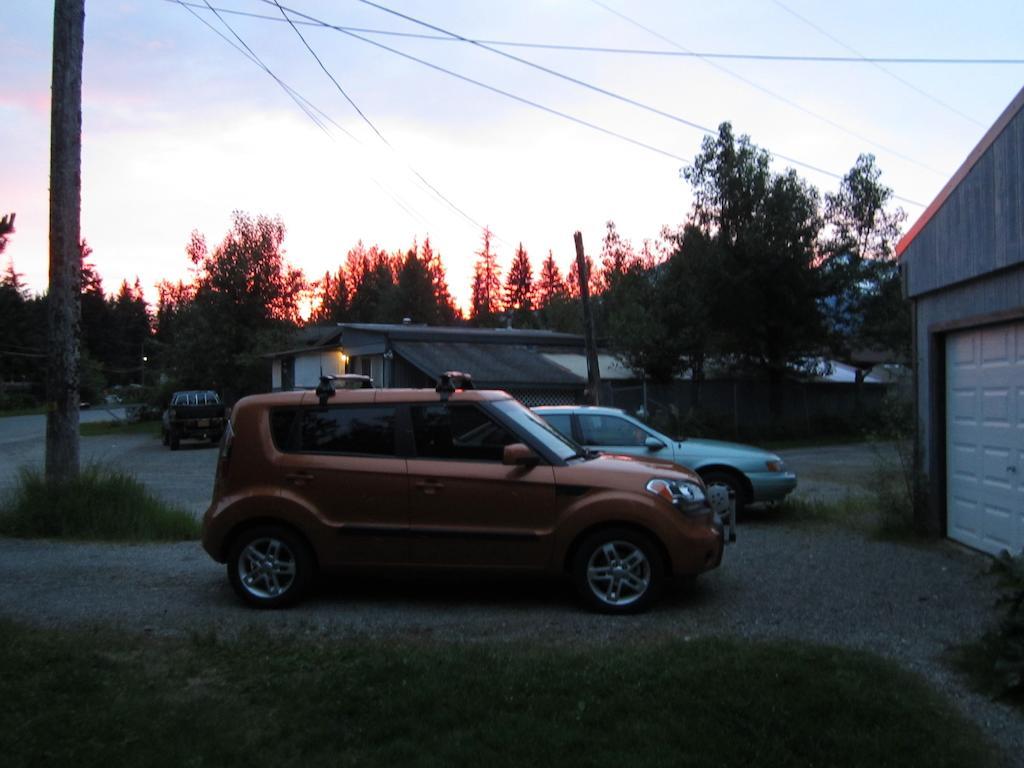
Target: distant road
[(183, 478), (15, 428)]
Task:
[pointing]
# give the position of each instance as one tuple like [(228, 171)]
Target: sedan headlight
[(775, 465), (687, 496)]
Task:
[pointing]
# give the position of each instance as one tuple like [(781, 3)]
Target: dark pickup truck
[(194, 413)]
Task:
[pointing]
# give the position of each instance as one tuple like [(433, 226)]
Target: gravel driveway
[(809, 583)]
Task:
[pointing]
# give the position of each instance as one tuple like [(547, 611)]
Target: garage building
[(963, 270)]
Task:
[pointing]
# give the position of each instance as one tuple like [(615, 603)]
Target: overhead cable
[(778, 96), (878, 65), (373, 127), (780, 57)]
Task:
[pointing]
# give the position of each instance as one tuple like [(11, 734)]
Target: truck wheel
[(618, 570)]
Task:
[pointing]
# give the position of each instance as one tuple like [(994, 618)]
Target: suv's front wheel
[(618, 570), (270, 566)]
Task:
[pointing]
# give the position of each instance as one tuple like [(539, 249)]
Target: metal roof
[(490, 365)]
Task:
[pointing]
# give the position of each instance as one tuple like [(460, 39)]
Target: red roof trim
[(987, 141)]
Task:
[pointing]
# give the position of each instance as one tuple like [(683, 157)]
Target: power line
[(780, 57), (878, 65), (628, 100), (704, 129), (502, 92), (373, 127), (778, 96), (307, 107), (551, 110)]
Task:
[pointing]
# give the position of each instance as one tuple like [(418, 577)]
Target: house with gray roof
[(528, 364)]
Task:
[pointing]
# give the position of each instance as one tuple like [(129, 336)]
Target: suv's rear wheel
[(618, 570), (269, 566)]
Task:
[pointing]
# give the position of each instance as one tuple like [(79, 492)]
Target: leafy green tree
[(519, 289), (764, 228), (686, 299), (242, 302), (485, 300), (865, 309), (636, 327)]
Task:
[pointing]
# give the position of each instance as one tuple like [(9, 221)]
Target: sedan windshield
[(536, 427)]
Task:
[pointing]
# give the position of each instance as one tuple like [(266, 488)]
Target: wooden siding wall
[(980, 228)]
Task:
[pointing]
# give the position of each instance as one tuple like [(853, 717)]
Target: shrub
[(996, 662), (100, 504), (1008, 665)]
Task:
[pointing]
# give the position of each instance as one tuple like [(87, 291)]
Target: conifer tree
[(519, 289), (551, 284), (447, 313), (617, 257), (486, 292)]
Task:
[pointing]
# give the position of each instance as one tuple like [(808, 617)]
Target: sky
[(180, 128)]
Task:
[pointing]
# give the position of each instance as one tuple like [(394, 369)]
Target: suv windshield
[(529, 422)]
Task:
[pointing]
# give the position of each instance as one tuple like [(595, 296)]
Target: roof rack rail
[(451, 381), (351, 381)]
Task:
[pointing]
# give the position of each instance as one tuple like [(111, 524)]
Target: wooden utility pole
[(64, 298), (593, 368)]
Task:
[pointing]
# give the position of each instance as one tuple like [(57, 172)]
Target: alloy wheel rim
[(618, 573), (266, 567)]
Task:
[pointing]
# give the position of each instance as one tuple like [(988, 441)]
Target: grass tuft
[(92, 697), (100, 428), (101, 504)]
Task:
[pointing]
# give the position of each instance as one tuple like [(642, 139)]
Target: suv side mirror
[(519, 455), (653, 444)]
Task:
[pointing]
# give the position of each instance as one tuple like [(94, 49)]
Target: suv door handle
[(429, 487), (299, 478)]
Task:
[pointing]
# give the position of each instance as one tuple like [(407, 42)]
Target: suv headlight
[(687, 496)]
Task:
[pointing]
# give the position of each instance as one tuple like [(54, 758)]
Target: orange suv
[(451, 478)]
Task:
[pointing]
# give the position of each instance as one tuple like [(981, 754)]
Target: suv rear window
[(348, 429)]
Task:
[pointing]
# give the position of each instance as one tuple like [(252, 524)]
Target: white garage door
[(985, 437)]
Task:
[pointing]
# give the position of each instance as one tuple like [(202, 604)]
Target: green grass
[(93, 698), (817, 441), (33, 411), (101, 504), (879, 515), (99, 428)]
